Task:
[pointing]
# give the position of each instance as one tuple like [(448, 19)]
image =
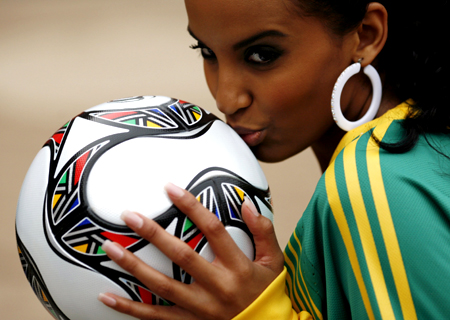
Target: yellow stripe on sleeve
[(341, 220), (387, 226), (292, 268), (314, 307), (365, 233), (289, 292)]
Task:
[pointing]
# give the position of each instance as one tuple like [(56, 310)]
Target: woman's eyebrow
[(258, 36), (192, 34), (250, 40)]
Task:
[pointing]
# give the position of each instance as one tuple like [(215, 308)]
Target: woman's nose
[(232, 92)]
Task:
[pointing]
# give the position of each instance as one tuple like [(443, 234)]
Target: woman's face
[(270, 70)]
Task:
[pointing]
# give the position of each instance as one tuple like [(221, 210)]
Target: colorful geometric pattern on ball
[(41, 296), (208, 200), (87, 238), (195, 239), (67, 197), (191, 234), (34, 278), (235, 197), (57, 138), (23, 261), (151, 118), (144, 294), (191, 114)]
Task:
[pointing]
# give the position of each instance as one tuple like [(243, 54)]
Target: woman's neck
[(327, 144)]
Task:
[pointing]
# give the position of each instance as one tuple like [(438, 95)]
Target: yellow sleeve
[(273, 303)]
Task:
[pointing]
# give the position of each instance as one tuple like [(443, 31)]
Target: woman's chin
[(270, 154)]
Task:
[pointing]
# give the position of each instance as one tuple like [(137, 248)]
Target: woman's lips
[(251, 137)]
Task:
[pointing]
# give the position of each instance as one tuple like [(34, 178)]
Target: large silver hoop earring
[(336, 111)]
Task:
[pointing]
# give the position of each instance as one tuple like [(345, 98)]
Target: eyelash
[(203, 47), (266, 53), (260, 50)]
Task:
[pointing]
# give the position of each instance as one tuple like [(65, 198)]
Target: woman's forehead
[(209, 19)]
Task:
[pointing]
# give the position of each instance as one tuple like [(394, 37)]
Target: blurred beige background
[(58, 58)]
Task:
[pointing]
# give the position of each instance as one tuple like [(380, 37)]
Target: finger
[(176, 250), (155, 281), (268, 252), (143, 311), (219, 239)]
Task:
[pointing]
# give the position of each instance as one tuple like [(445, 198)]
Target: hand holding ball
[(118, 156)]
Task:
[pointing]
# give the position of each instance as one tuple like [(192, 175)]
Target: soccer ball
[(119, 156)]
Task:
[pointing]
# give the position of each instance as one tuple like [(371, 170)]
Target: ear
[(372, 33)]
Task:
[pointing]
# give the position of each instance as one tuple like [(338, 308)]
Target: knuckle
[(125, 306), (227, 294), (184, 256), (245, 272), (164, 289), (267, 225), (191, 203), (231, 285), (213, 225), (150, 231), (264, 230), (210, 313), (133, 309), (131, 263)]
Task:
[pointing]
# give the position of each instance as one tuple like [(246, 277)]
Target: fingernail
[(251, 206), (132, 219), (174, 191), (110, 302), (113, 251)]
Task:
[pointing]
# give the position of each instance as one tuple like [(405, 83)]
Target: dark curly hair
[(413, 60)]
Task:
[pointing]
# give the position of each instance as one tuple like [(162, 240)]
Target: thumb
[(268, 252)]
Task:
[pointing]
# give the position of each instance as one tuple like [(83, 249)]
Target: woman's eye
[(263, 55), (206, 52)]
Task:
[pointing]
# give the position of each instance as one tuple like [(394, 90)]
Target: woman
[(372, 242)]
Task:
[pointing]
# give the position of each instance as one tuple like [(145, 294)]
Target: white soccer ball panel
[(82, 133), (132, 175), (207, 253), (75, 291), (265, 211), (32, 195), (132, 102), (242, 240), (70, 285)]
